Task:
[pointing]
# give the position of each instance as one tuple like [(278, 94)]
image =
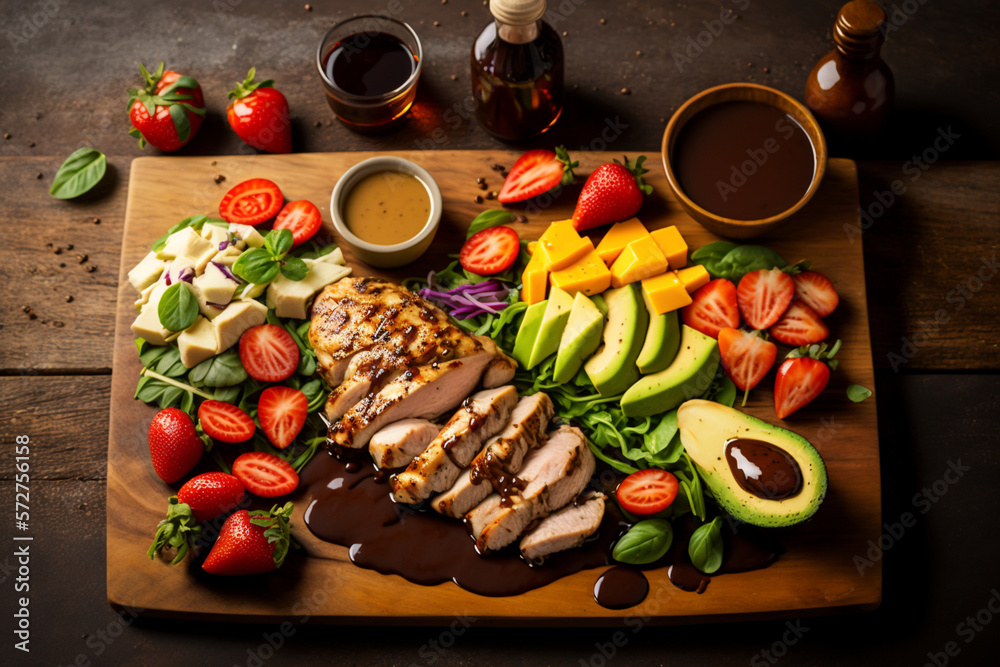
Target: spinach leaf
[(294, 268), (487, 219), (743, 259), (705, 547), (857, 393), (710, 255), (256, 266), (722, 390), (228, 394), (222, 370), (157, 392), (81, 171), (663, 442), (178, 307), (313, 250), (162, 359), (645, 542)]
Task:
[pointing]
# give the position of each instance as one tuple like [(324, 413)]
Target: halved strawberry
[(816, 291), (265, 475), (224, 421), (268, 353), (798, 382), (713, 308), (490, 251), (282, 413), (746, 357), (536, 172), (763, 296), (800, 325)]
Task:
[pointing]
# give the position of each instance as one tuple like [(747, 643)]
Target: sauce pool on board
[(744, 160), (387, 207)]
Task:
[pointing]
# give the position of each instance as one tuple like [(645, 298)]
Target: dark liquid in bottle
[(518, 87), (370, 64)]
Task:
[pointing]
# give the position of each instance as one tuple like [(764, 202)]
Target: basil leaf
[(79, 173), (294, 268), (178, 307), (487, 219), (743, 259), (152, 391), (315, 250), (181, 122), (163, 359), (279, 242), (222, 370), (646, 542), (256, 266), (705, 547), (857, 393)]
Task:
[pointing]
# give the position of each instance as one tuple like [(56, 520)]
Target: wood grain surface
[(817, 573)]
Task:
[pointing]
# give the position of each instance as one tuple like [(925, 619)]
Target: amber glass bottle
[(851, 88), (517, 71)]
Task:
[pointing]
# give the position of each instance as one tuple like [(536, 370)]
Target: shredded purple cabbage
[(226, 272), (184, 274), (219, 306), (467, 301), (222, 246)]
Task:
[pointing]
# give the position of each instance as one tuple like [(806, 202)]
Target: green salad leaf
[(490, 218), (81, 171), (856, 393), (705, 548), (256, 266), (222, 370), (294, 268), (645, 542), (731, 261), (178, 307)]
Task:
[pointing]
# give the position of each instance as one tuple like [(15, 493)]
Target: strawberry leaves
[(177, 531), (249, 85), (277, 524), (637, 170), (178, 103)]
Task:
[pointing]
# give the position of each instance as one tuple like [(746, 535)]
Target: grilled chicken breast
[(566, 529), (552, 476), (481, 416), (397, 444), (502, 456)]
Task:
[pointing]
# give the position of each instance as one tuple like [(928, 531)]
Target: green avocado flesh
[(526, 335), (613, 369), (550, 330), (663, 339), (580, 338), (688, 376), (761, 474)]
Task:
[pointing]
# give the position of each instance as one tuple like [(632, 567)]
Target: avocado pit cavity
[(762, 469)]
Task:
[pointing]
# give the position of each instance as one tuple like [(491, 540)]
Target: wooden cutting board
[(818, 573)]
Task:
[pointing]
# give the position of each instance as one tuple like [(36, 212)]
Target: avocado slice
[(688, 376), (551, 328), (762, 474), (526, 335), (663, 339), (613, 369), (580, 338)]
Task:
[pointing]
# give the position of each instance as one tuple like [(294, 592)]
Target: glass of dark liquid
[(370, 66)]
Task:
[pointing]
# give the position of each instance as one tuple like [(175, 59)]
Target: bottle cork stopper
[(517, 12), (858, 31)]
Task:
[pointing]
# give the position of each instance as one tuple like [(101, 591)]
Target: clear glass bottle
[(517, 71), (850, 90)]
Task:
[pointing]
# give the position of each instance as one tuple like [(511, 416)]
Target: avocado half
[(727, 446)]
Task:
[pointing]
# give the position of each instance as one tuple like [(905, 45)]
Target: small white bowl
[(398, 254)]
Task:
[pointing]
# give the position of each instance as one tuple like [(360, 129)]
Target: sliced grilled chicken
[(424, 392), (566, 529), (481, 416), (501, 369), (397, 444), (552, 476), (501, 456)]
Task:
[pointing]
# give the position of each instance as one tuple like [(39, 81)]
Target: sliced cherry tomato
[(282, 413), (265, 474), (224, 421), (647, 491), (300, 217), (251, 202), (268, 353), (490, 251)]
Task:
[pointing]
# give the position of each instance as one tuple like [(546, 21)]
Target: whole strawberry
[(174, 446), (167, 111), (251, 542), (259, 115), (211, 494), (612, 193)]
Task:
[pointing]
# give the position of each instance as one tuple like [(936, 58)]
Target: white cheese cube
[(186, 243), (214, 234), (144, 296), (146, 272), (177, 269), (236, 319), (198, 342), (147, 326), (335, 257), (290, 298), (215, 286), (248, 234), (228, 256)]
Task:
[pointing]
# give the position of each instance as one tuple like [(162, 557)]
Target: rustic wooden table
[(930, 255)]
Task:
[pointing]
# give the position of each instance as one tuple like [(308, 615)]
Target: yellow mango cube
[(672, 245), (694, 277), (588, 275), (619, 236), (665, 292), (534, 280), (560, 245), (640, 259)]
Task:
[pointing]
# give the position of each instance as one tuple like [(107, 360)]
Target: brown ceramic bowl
[(745, 92)]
